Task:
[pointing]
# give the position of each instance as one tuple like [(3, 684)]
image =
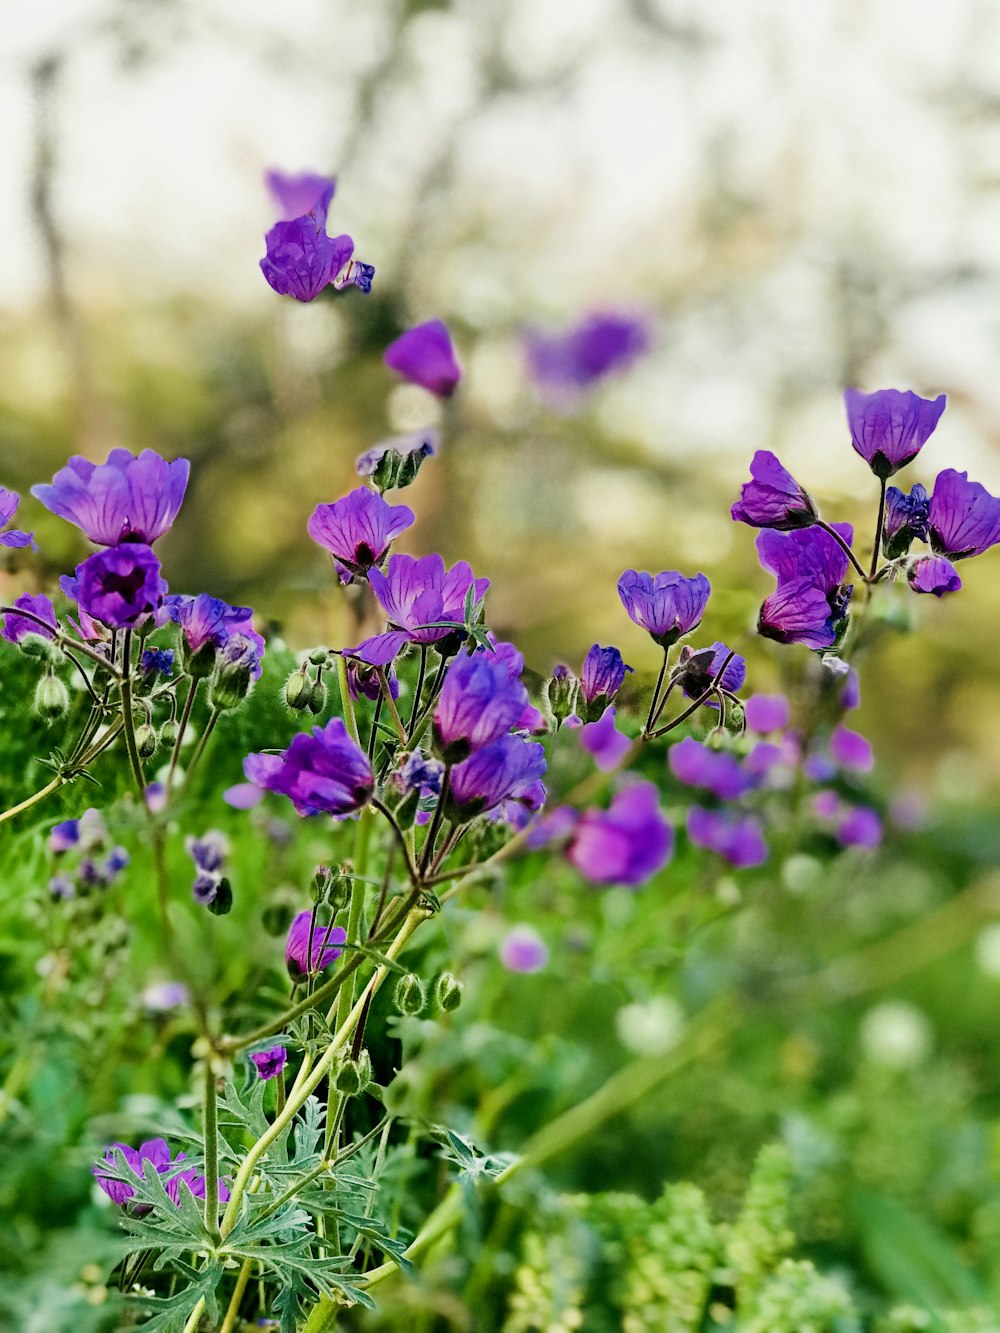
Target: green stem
[(651, 715), (203, 740), (300, 1094), (194, 1318), (355, 913), (346, 702), (390, 703), (182, 725), (125, 691), (419, 689), (211, 1147), (432, 832), (57, 782), (233, 1309)]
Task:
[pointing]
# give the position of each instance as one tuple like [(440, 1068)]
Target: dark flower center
[(127, 586)]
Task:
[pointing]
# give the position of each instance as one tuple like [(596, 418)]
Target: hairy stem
[(57, 782), (211, 1147), (233, 1308)]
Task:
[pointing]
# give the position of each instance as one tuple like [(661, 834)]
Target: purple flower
[(294, 196), (358, 529), (9, 501), (604, 741), (396, 462), (603, 675), (696, 765), (850, 695), (851, 750), (905, 519), (667, 605), (890, 427), (964, 517), (64, 836), (120, 587), (562, 365), (418, 772), (157, 662), (205, 888), (194, 1182), (522, 949), (323, 771), (209, 851), (774, 499), (301, 259), (424, 355), (697, 668), (119, 1191), (859, 826), (363, 679), (738, 839), (15, 627), (161, 996), (767, 712), (155, 796), (480, 701), (310, 948), (270, 1063), (204, 619), (809, 605), (126, 499), (625, 844), (933, 574), (826, 805), (61, 887), (509, 769), (415, 595)]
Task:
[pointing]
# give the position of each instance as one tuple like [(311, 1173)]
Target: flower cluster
[(86, 857)]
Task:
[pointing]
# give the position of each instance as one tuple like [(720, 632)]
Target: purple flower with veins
[(905, 519), (480, 701), (964, 518), (301, 259), (120, 587), (323, 771), (15, 627), (773, 499), (603, 675), (522, 949), (564, 365), (294, 196), (9, 501), (208, 625), (120, 1191), (859, 826), (604, 741), (933, 574), (697, 669), (424, 355), (738, 839), (809, 605), (851, 750), (666, 605), (358, 529), (890, 427), (310, 948), (625, 844), (510, 769), (126, 499), (767, 712), (269, 1064), (697, 765), (415, 595)]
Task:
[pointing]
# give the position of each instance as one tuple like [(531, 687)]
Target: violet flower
[(208, 625), (415, 595), (905, 519), (194, 1182), (964, 518), (301, 259), (697, 668), (933, 574), (859, 826), (809, 605), (563, 365), (323, 771), (424, 355), (625, 844), (698, 765), (362, 679), (310, 948), (773, 499), (767, 712), (126, 499), (480, 701), (509, 769), (15, 628), (209, 851), (14, 537), (156, 662), (603, 675), (294, 196), (522, 949), (666, 605), (604, 741), (358, 529), (64, 836), (120, 1191), (120, 587), (890, 427), (851, 750), (738, 839), (269, 1064)]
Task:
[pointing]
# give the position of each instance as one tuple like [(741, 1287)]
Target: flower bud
[(169, 733), (562, 691), (230, 686), (409, 997), (319, 656), (317, 697), (298, 691), (448, 992), (37, 646), (353, 1076), (146, 741), (201, 662), (51, 698)]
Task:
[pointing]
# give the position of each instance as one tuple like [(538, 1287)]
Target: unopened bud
[(169, 733), (230, 687), (448, 992), (200, 663), (145, 741), (51, 698), (39, 647), (562, 692), (409, 997), (348, 1078), (298, 691), (317, 697), (319, 656)]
